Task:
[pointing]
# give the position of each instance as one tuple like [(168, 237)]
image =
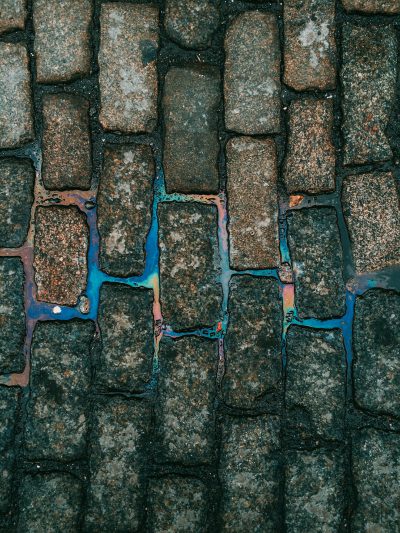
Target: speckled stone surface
[(373, 6), (12, 15), (8, 412)]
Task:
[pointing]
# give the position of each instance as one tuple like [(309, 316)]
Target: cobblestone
[(8, 411), (12, 15), (373, 6)]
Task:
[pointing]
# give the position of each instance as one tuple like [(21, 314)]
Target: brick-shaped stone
[(12, 15), (62, 39), (317, 258), (252, 176), (124, 208), (8, 414), (389, 7), (310, 159), (250, 475), (16, 197), (191, 100), (253, 341), (67, 158), (16, 124), (309, 46), (128, 75), (252, 74), (369, 87), (372, 214), (61, 244), (190, 290)]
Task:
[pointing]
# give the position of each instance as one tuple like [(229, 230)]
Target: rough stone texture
[(377, 352), (369, 85), (191, 100), (252, 74), (316, 253), (191, 23), (128, 76), (253, 341), (376, 471), (12, 316), (16, 196), (62, 39), (310, 159), (184, 413), (8, 411), (126, 350), (61, 243), (314, 495), (16, 125), (50, 502), (124, 208), (190, 293), (372, 6), (315, 383), (12, 15), (372, 214), (249, 474), (66, 142), (252, 203), (178, 505), (119, 442)]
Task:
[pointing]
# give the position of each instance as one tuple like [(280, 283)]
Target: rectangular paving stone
[(16, 124), (67, 158), (252, 342), (310, 159), (309, 44), (315, 383), (252, 176), (125, 354), (62, 39), (124, 208), (317, 257), (8, 414), (190, 290), (12, 315), (12, 15), (57, 410), (128, 75), (373, 6), (369, 84), (187, 388), (16, 197), (372, 214), (252, 74), (117, 466), (250, 475), (191, 100), (60, 262)]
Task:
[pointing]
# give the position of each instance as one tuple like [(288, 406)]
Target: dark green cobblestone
[(8, 412)]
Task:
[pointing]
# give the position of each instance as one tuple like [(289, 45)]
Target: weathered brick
[(190, 292), (177, 505), (62, 39), (16, 196), (117, 462), (250, 474), (128, 76), (314, 494), (191, 99), (12, 316), (49, 502), (191, 23), (377, 352), (12, 15), (310, 160), (310, 50), (61, 243), (252, 74), (184, 413), (372, 214), (67, 161), (315, 383), (253, 341), (124, 208), (317, 258), (376, 472), (252, 176), (8, 412), (16, 124), (373, 6), (369, 84), (126, 349)]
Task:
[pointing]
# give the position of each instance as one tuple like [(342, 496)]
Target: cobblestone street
[(199, 266)]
